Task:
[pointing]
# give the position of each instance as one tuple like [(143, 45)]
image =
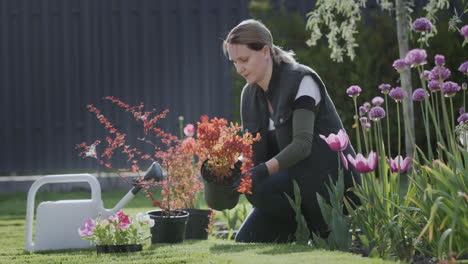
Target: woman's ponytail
[(279, 55)]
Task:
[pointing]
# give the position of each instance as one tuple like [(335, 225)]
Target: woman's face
[(250, 64)]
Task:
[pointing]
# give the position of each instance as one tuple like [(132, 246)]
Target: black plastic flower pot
[(168, 229), (218, 196), (197, 225), (118, 248)]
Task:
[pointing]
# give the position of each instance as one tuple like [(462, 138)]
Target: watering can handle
[(62, 178)]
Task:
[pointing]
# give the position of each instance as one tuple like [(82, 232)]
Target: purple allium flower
[(416, 57), (450, 89), (426, 75), (462, 118), (420, 94), (363, 120), (464, 86), (399, 65), (354, 91), (422, 24), (397, 94), (362, 110), (367, 105), (376, 113), (464, 31), (377, 100), (439, 60), (434, 86), (367, 126), (440, 72), (464, 67), (461, 110), (385, 88)]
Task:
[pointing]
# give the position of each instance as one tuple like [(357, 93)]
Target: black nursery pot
[(217, 196), (168, 229), (118, 248), (197, 224)]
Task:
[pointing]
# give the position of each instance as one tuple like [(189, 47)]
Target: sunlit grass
[(12, 220)]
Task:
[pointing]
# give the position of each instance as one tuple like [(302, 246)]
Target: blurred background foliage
[(377, 50)]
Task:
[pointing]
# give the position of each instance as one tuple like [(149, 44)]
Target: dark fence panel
[(57, 56)]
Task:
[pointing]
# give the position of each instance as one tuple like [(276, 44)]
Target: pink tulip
[(362, 164), (189, 130), (337, 142), (87, 228), (399, 161)]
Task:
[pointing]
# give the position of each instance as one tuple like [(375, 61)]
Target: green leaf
[(440, 247)]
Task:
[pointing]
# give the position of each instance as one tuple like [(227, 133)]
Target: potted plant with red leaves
[(218, 146), (200, 220), (180, 185)]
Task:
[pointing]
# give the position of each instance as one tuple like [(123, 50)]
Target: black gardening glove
[(258, 174)]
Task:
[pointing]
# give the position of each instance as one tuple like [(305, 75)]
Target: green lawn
[(12, 215)]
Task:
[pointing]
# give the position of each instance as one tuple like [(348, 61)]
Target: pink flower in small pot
[(87, 228), (124, 221), (189, 130), (362, 164), (337, 142), (399, 161)]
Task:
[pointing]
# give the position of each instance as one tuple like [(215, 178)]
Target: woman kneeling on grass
[(288, 104)]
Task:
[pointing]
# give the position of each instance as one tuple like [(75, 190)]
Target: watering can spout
[(154, 172)]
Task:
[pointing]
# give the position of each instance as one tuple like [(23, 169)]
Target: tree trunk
[(408, 117)]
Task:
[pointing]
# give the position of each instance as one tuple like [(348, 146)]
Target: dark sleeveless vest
[(312, 173)]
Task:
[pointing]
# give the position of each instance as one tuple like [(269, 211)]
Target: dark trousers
[(272, 219)]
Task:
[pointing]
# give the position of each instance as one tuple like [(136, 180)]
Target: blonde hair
[(256, 35)]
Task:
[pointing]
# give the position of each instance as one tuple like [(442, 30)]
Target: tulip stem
[(339, 161)]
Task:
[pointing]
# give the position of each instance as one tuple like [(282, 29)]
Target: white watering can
[(57, 222)]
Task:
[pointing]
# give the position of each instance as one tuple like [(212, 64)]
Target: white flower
[(140, 217), (91, 151), (145, 219)]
